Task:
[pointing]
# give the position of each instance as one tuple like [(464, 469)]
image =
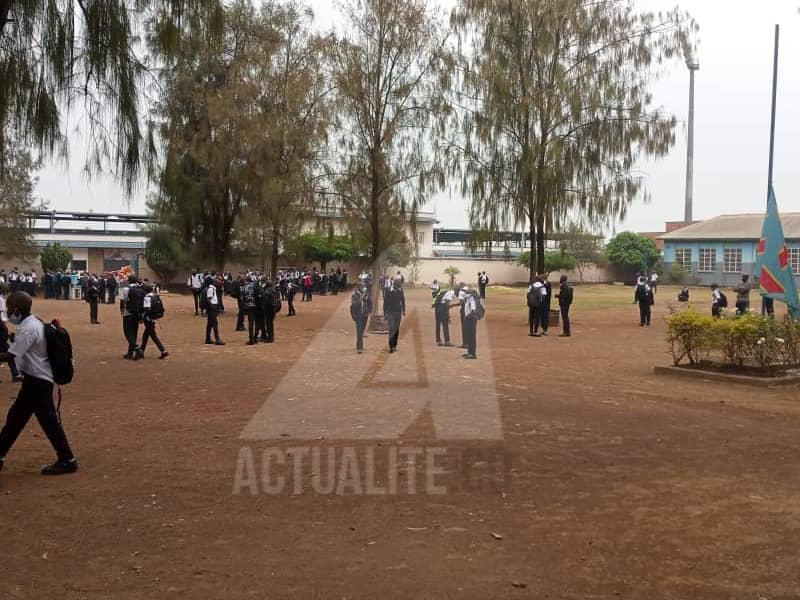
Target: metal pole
[(687, 212), (774, 101)]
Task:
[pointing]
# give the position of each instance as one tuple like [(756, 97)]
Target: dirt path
[(606, 482)]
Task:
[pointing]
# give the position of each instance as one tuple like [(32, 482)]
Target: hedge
[(734, 341)]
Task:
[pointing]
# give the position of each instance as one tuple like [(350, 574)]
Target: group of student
[(539, 300), (468, 302), (19, 281)]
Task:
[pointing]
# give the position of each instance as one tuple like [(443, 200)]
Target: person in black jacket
[(291, 289), (643, 296), (564, 302), (394, 307), (93, 298), (269, 311), (360, 309)]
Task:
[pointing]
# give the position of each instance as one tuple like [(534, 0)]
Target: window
[(77, 265), (733, 260), (794, 260), (708, 260), (683, 256)]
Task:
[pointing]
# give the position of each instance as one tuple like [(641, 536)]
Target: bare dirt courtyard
[(547, 468)]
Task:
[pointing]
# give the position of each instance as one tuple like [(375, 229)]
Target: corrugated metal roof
[(734, 227)]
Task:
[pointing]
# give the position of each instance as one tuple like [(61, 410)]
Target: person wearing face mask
[(35, 397)]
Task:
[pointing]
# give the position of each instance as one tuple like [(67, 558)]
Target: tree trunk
[(540, 238), (532, 254), (275, 250)]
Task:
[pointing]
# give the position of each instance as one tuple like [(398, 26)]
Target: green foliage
[(17, 183), (55, 257), (632, 252), (736, 341), (322, 248), (56, 53), (677, 275), (553, 261), (163, 254), (556, 108), (452, 272), (586, 247)]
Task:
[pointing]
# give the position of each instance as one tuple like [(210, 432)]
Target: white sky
[(732, 105)]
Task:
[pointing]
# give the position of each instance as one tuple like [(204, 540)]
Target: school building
[(721, 249)]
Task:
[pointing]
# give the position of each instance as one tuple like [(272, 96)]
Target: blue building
[(721, 249)]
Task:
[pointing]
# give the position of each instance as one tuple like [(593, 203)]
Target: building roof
[(734, 227), (91, 239)]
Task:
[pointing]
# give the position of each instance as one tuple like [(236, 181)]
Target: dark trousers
[(251, 324), (545, 317), (35, 397), (565, 319), (196, 296), (442, 325), (361, 326), (130, 327), (644, 313), (150, 334), (471, 331), (93, 312), (534, 318), (482, 291), (260, 324), (742, 306), (394, 319), (463, 330), (290, 301), (269, 326), (212, 324)]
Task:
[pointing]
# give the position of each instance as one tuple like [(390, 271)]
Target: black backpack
[(534, 298), (156, 307), (59, 352), (277, 305), (135, 303), (723, 300), (203, 301)]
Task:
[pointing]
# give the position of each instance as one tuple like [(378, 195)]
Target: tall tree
[(54, 53), (202, 113), (555, 108), (291, 101), (17, 181), (390, 101)]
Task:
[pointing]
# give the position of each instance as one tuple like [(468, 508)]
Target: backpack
[(203, 301), (156, 307), (135, 303), (248, 295), (723, 300), (480, 311), (534, 298), (356, 306), (59, 352)]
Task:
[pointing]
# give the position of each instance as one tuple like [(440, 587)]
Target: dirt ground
[(606, 481)]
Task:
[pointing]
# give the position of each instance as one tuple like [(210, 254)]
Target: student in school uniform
[(643, 296), (35, 397), (394, 307), (443, 302), (718, 301), (195, 284), (153, 311), (360, 309), (130, 308), (565, 295), (92, 297), (470, 323), (212, 310), (435, 288)]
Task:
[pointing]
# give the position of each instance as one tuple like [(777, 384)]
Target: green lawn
[(603, 296)]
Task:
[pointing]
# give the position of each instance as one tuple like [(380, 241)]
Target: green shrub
[(677, 275), (734, 340), (690, 336)]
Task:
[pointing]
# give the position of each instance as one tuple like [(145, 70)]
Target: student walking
[(131, 305), (195, 283), (471, 317), (442, 303), (565, 295), (35, 397), (153, 311), (360, 309), (394, 307), (92, 297), (212, 310), (743, 295)]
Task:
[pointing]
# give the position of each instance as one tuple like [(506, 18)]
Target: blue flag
[(773, 267)]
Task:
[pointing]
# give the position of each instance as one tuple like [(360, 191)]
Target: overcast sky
[(732, 105)]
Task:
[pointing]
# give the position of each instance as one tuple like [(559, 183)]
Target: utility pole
[(687, 212)]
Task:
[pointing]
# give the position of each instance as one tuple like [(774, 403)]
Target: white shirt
[(449, 296), (30, 349), (716, 296), (195, 281), (211, 294), (469, 305), (3, 309)]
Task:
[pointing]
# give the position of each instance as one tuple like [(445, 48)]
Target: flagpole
[(774, 101)]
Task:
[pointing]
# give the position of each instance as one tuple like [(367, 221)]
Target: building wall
[(718, 274)]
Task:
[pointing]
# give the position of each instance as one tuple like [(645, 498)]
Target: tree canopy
[(632, 252)]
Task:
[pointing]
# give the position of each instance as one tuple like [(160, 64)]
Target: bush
[(55, 257), (677, 275), (736, 341)]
